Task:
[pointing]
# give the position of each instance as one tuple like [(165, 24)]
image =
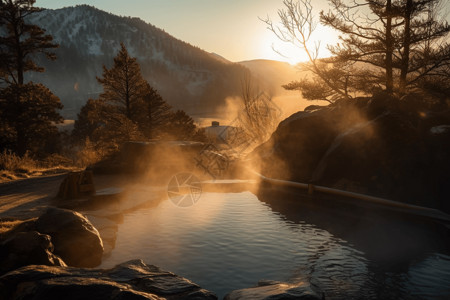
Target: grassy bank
[(13, 167)]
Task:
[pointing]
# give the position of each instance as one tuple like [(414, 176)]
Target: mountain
[(272, 74), (186, 77)]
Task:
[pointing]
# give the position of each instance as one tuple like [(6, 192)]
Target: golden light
[(273, 48)]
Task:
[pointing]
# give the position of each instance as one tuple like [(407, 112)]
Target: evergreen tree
[(20, 40), (401, 39), (105, 126), (28, 111), (89, 119), (123, 84), (153, 113), (393, 45), (183, 128)]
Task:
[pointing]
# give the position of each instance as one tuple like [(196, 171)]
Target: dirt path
[(28, 198)]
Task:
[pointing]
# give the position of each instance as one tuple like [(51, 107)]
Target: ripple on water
[(231, 241)]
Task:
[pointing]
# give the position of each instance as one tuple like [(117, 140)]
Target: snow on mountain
[(186, 76)]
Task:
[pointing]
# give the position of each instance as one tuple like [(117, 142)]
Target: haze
[(231, 29)]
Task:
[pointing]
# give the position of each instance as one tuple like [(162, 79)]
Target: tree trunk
[(389, 48), (21, 140), (127, 92), (406, 46)]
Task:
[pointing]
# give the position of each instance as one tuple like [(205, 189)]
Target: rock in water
[(273, 290), (76, 241), (25, 248), (130, 280)]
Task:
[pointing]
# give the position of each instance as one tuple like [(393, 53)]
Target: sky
[(230, 28)]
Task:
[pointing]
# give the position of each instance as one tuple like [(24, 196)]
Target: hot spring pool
[(228, 241)]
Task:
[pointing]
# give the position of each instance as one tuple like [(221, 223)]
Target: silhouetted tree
[(259, 116), (182, 127), (297, 25), (403, 42), (152, 113), (123, 84), (88, 119), (27, 110), (105, 126), (129, 109), (20, 40)]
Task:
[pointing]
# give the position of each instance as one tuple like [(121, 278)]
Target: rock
[(76, 241), (300, 141), (366, 151), (107, 230), (273, 290), (380, 102), (378, 145), (25, 248), (130, 280)]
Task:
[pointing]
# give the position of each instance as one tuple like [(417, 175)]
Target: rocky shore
[(382, 146), (53, 257), (130, 280)]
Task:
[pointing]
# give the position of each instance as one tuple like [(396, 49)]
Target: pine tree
[(123, 84), (395, 45), (182, 127), (27, 110), (105, 126), (20, 40), (153, 113), (401, 39), (128, 109), (89, 119)]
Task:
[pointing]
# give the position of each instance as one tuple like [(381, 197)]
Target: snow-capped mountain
[(186, 76)]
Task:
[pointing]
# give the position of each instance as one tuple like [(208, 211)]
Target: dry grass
[(6, 226), (12, 162), (13, 167)]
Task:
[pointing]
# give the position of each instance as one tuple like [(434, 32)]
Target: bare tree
[(388, 44), (259, 116), (403, 40), (296, 27)]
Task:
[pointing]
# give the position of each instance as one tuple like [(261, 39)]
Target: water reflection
[(228, 241)]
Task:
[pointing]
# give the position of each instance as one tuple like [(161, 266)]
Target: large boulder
[(76, 241), (130, 280), (372, 152), (26, 248), (300, 141), (274, 290), (379, 145)]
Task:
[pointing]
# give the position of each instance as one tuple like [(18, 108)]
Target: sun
[(273, 48)]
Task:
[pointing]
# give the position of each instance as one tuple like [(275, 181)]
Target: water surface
[(228, 241)]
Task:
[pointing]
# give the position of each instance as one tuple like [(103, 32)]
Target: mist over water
[(228, 241)]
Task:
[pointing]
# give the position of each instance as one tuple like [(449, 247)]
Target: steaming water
[(232, 240)]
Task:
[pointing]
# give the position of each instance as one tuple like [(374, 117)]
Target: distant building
[(220, 133)]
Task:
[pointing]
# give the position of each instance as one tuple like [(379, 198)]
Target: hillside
[(272, 74), (186, 76)]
